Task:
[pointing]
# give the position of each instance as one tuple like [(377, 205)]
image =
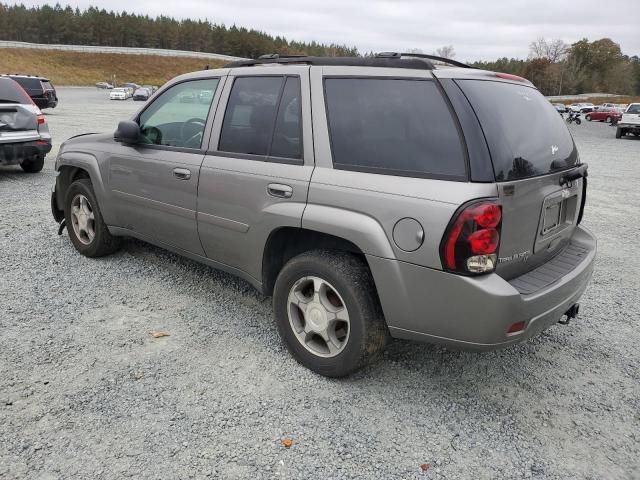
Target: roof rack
[(419, 61), (377, 61)]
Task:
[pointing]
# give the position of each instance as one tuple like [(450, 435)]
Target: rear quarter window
[(526, 136), (29, 83), (393, 127)]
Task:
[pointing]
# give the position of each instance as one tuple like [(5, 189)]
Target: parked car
[(347, 189), (119, 94), (24, 134), (630, 121), (560, 107), (582, 107), (141, 94), (604, 114), (40, 89), (104, 85)]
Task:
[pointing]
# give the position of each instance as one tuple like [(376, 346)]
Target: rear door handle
[(278, 190), (182, 173)]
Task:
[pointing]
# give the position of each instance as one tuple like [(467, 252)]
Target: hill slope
[(79, 68)]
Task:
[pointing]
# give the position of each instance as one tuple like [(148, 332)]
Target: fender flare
[(362, 230)]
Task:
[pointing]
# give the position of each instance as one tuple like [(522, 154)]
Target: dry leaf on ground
[(158, 334)]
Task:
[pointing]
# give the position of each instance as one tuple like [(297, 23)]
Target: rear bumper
[(631, 126), (474, 312), (15, 153)]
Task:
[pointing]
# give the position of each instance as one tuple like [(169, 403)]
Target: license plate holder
[(552, 215)]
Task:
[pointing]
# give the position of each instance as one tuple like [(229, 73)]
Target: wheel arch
[(284, 243)]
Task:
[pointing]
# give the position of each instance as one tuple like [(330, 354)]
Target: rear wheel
[(33, 165), (619, 132), (578, 121), (327, 312), (87, 230), (608, 120)]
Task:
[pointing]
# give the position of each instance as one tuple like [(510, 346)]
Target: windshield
[(633, 108), (526, 136)]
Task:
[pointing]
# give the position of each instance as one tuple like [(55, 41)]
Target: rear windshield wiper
[(578, 172)]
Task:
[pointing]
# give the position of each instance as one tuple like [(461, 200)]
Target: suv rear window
[(633, 108), (10, 92), (393, 127), (526, 136), (29, 83)]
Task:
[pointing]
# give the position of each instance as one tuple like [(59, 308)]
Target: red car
[(604, 114)]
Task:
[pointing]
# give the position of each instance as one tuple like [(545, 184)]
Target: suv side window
[(178, 116), (263, 117), (393, 127)]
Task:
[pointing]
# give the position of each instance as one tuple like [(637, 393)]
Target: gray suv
[(371, 197)]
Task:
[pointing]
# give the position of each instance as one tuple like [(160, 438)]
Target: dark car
[(24, 135), (142, 94), (40, 89)]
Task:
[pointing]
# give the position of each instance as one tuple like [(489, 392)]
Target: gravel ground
[(87, 392)]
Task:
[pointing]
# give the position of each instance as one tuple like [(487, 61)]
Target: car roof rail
[(384, 60), (437, 58)]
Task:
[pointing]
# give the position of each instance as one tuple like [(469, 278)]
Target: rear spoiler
[(574, 174)]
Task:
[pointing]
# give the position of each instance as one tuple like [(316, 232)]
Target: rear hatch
[(18, 115), (536, 165)]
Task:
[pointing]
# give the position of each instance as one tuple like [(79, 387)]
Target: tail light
[(470, 244), (40, 119)]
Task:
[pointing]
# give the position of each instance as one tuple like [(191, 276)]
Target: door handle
[(278, 190), (182, 173)]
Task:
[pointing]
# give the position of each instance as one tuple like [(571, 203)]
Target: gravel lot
[(86, 392)]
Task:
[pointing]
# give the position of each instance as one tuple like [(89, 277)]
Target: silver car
[(371, 197)]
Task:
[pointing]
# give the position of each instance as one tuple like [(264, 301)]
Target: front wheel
[(87, 230), (588, 117), (608, 120), (578, 121), (328, 313), (619, 132)]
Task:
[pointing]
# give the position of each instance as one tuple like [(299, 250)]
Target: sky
[(478, 30)]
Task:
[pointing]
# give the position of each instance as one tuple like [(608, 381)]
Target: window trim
[(208, 121), (263, 158), (390, 171)]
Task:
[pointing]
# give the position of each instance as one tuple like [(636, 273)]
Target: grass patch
[(83, 69)]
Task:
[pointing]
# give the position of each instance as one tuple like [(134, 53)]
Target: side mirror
[(127, 132)]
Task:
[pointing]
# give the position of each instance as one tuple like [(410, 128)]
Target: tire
[(618, 132), (99, 244), (608, 120), (344, 283), (578, 121), (588, 117), (33, 165)]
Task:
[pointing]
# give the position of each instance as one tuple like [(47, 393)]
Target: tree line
[(94, 26), (583, 67)]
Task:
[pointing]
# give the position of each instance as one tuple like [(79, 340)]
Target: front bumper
[(15, 153), (474, 313), (630, 126)]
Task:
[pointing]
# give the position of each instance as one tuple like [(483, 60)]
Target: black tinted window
[(250, 115), (10, 92), (526, 135), (392, 126), (29, 83), (287, 136)]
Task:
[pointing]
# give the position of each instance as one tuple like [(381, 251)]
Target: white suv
[(630, 121)]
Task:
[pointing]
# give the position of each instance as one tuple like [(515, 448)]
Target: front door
[(255, 176), (155, 182)]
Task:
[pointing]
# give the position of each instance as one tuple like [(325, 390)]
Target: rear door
[(531, 151), (255, 175)]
